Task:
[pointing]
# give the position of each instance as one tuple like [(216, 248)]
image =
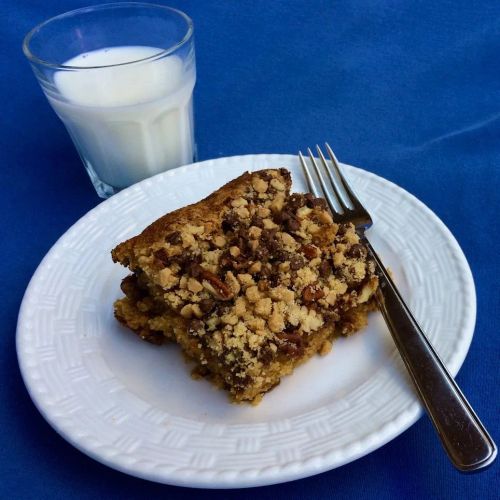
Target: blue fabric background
[(407, 89)]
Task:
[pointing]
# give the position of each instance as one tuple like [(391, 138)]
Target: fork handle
[(462, 434)]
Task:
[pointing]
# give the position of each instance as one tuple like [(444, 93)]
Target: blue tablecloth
[(409, 90)]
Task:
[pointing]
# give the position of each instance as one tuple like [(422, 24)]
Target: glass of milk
[(121, 77)]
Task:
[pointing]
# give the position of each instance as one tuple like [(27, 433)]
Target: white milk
[(131, 121)]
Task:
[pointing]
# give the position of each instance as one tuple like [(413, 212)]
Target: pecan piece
[(309, 251), (291, 344), (292, 337), (311, 293), (215, 285)]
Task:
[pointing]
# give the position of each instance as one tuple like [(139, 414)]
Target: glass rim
[(37, 60)]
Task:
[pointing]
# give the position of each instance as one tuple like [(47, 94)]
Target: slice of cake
[(251, 282)]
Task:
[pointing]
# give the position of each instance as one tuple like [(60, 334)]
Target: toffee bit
[(174, 238), (161, 256), (206, 305), (195, 326), (296, 262), (325, 269), (292, 224), (356, 251)]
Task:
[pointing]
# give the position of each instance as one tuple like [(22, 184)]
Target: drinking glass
[(121, 77)]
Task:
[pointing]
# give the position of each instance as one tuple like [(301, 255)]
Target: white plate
[(134, 407)]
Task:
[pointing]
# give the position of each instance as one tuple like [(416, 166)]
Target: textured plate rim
[(293, 470)]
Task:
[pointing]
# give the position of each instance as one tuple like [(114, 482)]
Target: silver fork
[(465, 440)]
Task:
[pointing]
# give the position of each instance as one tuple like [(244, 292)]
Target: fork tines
[(325, 179)]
